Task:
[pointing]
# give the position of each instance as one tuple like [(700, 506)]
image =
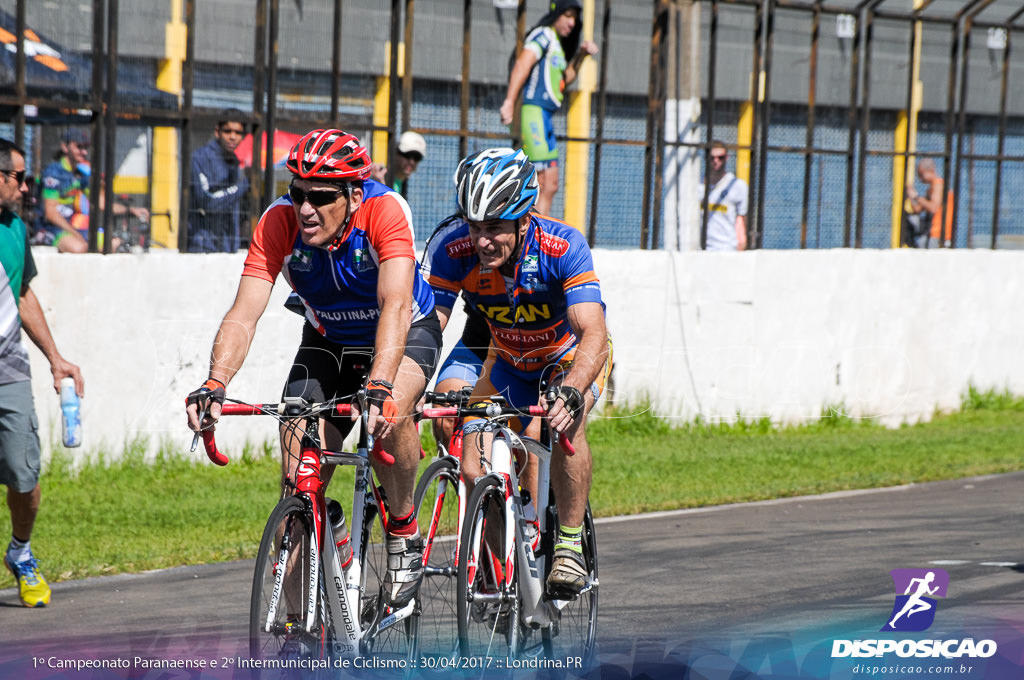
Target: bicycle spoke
[(281, 599), (574, 633), (487, 607), (437, 505), (386, 638)]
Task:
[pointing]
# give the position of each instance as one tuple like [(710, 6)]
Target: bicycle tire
[(396, 642), (487, 628), (276, 622), (437, 513), (575, 632)]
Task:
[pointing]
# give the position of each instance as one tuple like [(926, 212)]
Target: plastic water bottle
[(71, 418), (342, 537)]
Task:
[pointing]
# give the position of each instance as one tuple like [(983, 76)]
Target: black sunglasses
[(17, 175), (318, 198)]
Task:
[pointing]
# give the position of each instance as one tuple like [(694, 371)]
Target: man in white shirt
[(727, 204)]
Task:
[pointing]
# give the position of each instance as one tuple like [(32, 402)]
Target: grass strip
[(132, 515)]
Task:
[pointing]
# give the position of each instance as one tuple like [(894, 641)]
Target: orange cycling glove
[(380, 394), (212, 390)]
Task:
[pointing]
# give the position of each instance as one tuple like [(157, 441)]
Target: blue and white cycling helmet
[(495, 184)]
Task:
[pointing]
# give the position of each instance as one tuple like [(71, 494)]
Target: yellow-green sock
[(570, 538)]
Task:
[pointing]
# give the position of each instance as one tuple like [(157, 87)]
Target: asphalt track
[(751, 590)]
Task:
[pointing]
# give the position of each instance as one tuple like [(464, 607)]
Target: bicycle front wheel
[(437, 512), (487, 607), (281, 598), (390, 640), (574, 634)]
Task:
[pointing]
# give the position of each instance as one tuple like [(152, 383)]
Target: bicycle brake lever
[(195, 438)]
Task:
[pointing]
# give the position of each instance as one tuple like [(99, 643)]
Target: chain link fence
[(825, 107)]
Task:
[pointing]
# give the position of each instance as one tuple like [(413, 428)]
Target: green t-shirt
[(17, 269)]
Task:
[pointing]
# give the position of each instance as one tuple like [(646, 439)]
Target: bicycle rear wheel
[(279, 606), (437, 512), (574, 634), (488, 609), (392, 641)]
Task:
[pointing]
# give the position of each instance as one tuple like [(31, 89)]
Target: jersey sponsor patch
[(528, 313), (301, 260), (526, 340), (365, 314), (553, 245), (462, 247)]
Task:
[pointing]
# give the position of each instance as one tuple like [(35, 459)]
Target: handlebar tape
[(215, 455), (381, 455), (210, 443)]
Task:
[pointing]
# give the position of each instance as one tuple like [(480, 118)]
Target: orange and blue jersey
[(527, 314), (338, 285)]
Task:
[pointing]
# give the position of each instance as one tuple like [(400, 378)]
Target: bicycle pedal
[(565, 594)]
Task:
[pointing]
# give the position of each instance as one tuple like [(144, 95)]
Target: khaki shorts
[(19, 437)]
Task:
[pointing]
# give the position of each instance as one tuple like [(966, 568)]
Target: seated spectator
[(65, 197)]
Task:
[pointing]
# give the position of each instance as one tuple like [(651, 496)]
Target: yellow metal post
[(744, 139), (577, 154), (165, 192), (906, 137), (898, 176), (379, 152)]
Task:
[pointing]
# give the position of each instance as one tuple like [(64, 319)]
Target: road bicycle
[(134, 235), (502, 609), (439, 500), (304, 603)]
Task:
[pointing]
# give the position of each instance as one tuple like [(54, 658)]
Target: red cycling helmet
[(330, 155)]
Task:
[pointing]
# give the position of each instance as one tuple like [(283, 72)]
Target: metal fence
[(827, 105), (843, 97)]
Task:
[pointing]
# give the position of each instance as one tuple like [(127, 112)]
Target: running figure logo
[(914, 609)]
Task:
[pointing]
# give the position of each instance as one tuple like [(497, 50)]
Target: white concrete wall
[(889, 334)]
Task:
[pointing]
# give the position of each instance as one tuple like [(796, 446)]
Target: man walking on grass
[(19, 438)]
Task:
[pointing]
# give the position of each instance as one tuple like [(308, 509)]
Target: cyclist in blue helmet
[(533, 279)]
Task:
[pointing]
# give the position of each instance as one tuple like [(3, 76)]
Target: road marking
[(969, 483), (774, 501), (999, 564), (947, 563)]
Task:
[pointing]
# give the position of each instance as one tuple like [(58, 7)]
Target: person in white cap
[(411, 150)]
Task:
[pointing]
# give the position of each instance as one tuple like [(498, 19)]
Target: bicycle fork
[(536, 611)]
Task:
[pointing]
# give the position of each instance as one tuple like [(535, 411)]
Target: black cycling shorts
[(324, 370)]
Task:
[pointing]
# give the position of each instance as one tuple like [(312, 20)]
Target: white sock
[(18, 551)]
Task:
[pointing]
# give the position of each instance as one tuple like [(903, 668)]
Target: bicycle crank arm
[(395, 617)]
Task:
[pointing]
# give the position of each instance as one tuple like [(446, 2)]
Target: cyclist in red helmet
[(344, 244)]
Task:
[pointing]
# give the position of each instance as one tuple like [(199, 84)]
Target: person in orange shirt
[(926, 214)]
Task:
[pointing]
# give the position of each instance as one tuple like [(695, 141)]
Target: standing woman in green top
[(542, 71)]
